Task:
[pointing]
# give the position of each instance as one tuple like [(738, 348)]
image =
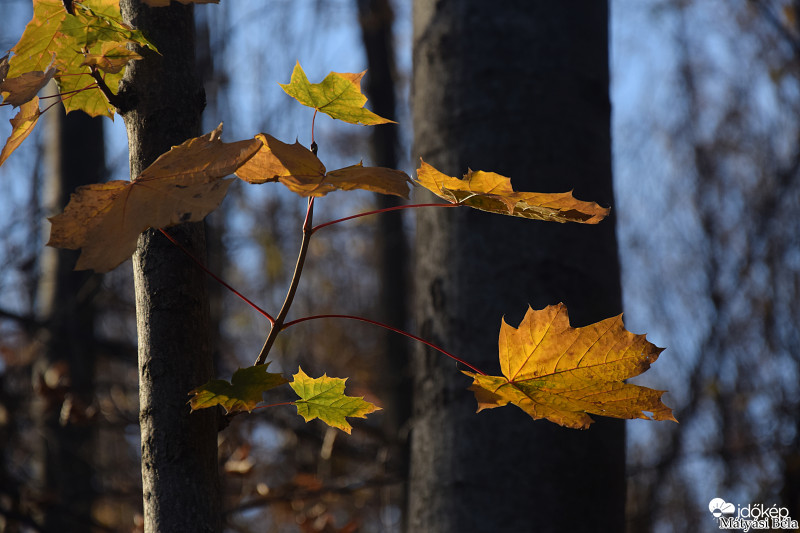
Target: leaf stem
[(217, 278), (314, 146), (277, 325), (390, 328), (378, 211), (273, 405), (112, 98)]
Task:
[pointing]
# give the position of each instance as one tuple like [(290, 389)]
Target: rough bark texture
[(64, 373), (179, 452), (519, 88)]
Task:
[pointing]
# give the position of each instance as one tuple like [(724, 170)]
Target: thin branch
[(112, 98), (277, 325), (217, 278), (390, 328), (378, 211)]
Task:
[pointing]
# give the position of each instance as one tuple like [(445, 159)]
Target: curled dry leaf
[(296, 167), (104, 220), (23, 88), (492, 192), (22, 125), (554, 371)]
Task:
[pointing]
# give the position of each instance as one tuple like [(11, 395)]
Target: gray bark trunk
[(519, 88), (179, 448)]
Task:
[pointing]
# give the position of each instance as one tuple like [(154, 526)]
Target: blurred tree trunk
[(64, 373), (376, 19), (179, 449), (519, 88)]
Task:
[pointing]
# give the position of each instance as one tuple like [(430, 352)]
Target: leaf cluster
[(549, 369)]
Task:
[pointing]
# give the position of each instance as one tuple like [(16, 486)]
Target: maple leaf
[(165, 3), (324, 398), (296, 167), (338, 96), (242, 393), (492, 192), (25, 87), (112, 57), (22, 125), (554, 371), (104, 220), (53, 31)]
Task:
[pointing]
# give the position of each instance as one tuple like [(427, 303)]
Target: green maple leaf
[(243, 392), (554, 371), (338, 96), (54, 32), (324, 398)]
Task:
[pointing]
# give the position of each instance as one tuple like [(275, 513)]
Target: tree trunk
[(179, 452), (519, 88), (376, 19), (64, 373)]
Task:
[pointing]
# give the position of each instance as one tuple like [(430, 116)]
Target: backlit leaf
[(554, 371), (303, 173), (104, 220), (338, 96), (165, 3), (22, 125), (53, 31), (111, 58), (242, 393), (23, 88), (492, 192), (324, 398)]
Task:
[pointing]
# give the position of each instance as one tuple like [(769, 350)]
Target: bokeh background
[(706, 109)]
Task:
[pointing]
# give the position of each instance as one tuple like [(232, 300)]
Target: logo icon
[(719, 507)]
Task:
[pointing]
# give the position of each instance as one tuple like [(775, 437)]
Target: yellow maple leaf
[(104, 220), (22, 125), (492, 192), (554, 371)]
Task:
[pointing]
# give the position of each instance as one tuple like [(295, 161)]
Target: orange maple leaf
[(492, 192), (554, 371)]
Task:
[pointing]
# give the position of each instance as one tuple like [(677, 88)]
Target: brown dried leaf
[(104, 220)]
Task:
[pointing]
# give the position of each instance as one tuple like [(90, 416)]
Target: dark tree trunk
[(179, 451), (65, 372), (376, 20), (519, 88)]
